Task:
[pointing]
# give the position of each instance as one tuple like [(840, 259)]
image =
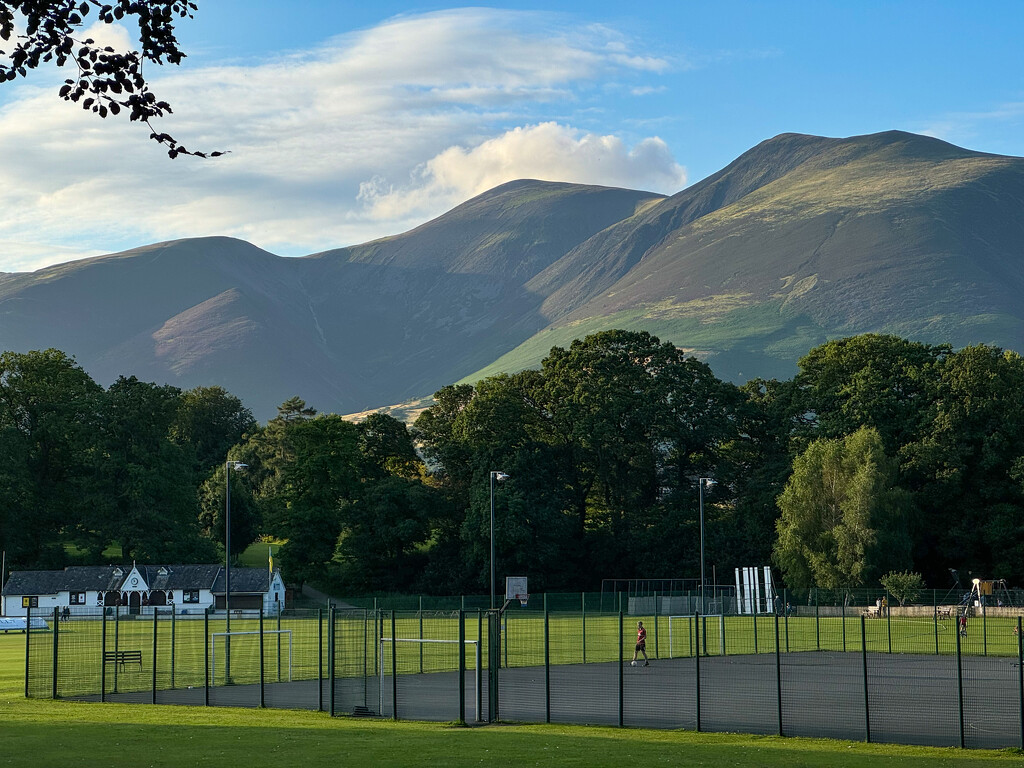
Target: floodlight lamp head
[(499, 476), (709, 482), (237, 465)]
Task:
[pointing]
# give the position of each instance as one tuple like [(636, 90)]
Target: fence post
[(156, 619), (817, 621), (984, 630), (394, 668), (279, 636), (462, 665), (493, 658), (1020, 677), (263, 671), (888, 618), (842, 614), (28, 645), (174, 636), (376, 643), (696, 662), (366, 654), (778, 673), (103, 654), (755, 629), (420, 614), (547, 663), (206, 657), (786, 623), (331, 654), (56, 636), (621, 662), (864, 664), (320, 660), (935, 619), (960, 687), (583, 604)]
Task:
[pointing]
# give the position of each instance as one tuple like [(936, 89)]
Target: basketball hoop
[(523, 599)]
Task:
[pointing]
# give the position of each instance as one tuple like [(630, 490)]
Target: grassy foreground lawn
[(46, 733)]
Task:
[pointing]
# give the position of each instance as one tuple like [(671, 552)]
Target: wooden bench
[(123, 657)]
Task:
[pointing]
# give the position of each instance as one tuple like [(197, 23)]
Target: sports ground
[(52, 733), (901, 680)]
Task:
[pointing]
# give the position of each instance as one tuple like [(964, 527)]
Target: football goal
[(478, 690), (240, 653), (681, 634)]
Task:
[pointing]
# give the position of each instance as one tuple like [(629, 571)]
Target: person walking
[(641, 643)]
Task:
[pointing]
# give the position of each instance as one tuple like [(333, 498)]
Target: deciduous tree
[(104, 81), (843, 522)]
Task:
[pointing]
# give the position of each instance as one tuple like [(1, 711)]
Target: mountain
[(346, 330), (803, 239), (799, 240)]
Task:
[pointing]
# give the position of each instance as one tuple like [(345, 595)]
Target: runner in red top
[(641, 643)]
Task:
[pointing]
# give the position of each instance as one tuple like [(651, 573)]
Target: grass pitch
[(40, 733)]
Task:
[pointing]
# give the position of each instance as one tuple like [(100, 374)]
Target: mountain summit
[(800, 239)]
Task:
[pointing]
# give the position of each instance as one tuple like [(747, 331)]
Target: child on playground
[(641, 643)]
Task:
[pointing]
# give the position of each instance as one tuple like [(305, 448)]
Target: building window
[(77, 598), (30, 601), (190, 596)]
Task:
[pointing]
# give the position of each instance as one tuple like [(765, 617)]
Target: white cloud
[(963, 127), (367, 135), (549, 152)]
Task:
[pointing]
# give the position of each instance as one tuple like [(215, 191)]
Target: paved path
[(911, 699)]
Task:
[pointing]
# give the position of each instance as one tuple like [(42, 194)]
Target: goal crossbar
[(227, 637)]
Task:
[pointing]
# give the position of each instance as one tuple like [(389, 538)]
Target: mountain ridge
[(800, 239)]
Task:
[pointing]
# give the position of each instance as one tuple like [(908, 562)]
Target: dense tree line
[(880, 455), (82, 467)]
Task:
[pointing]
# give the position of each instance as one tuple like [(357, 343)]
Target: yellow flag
[(270, 554)]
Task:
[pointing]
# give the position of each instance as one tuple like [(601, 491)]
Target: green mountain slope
[(890, 232)]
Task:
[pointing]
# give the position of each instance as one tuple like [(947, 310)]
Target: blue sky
[(349, 121)]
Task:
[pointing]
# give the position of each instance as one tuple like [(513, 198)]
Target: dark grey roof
[(76, 578), (180, 576), (244, 581), (102, 578)]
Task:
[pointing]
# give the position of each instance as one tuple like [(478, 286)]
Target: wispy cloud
[(369, 134), (963, 127)]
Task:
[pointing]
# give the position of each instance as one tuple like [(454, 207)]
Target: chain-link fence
[(845, 667)]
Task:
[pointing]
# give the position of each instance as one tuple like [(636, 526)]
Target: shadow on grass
[(71, 735)]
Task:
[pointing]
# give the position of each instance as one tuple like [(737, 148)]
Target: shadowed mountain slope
[(346, 330)]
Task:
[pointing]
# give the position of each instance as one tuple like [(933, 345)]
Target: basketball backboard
[(515, 586)]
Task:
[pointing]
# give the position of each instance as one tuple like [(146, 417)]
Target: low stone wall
[(906, 611)]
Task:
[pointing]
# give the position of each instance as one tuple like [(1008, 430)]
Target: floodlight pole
[(701, 482), (228, 466), (495, 476)]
